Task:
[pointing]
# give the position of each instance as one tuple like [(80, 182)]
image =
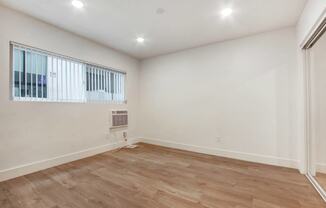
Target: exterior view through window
[(43, 76)]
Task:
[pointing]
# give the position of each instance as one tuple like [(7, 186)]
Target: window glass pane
[(18, 72)]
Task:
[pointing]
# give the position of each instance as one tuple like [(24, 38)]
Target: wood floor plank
[(156, 177), (321, 178)]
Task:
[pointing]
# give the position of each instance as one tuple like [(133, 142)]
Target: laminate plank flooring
[(157, 177), (321, 178)]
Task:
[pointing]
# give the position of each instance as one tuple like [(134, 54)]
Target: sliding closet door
[(317, 146)]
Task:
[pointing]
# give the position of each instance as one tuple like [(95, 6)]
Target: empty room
[(162, 104)]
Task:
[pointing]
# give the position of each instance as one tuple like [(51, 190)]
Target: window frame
[(34, 50)]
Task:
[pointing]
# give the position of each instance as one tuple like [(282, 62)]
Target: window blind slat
[(110, 95), (57, 78), (61, 81), (74, 83), (42, 81), (25, 74), (20, 73), (36, 74), (70, 83), (105, 78), (31, 75)]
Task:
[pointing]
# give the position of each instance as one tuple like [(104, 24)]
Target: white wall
[(32, 133), (242, 91)]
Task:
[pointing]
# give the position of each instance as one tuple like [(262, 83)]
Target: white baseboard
[(52, 162), (265, 159), (321, 167), (134, 140)]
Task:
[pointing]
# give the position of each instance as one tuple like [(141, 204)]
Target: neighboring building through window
[(43, 76)]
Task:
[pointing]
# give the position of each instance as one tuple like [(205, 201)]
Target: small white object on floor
[(132, 146)]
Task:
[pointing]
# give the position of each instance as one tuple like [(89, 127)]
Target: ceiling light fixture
[(140, 40), (226, 12), (78, 4)]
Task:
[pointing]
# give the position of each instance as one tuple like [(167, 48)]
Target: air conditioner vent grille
[(119, 118)]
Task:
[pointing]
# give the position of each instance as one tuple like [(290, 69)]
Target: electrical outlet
[(124, 135)]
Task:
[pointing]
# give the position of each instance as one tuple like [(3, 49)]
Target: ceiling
[(166, 25)]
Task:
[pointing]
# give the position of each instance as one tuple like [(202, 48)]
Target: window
[(29, 74), (44, 76)]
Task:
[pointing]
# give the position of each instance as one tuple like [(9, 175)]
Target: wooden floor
[(321, 178), (157, 177)]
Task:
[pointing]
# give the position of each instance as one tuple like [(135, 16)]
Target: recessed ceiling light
[(226, 12), (140, 40), (78, 4)]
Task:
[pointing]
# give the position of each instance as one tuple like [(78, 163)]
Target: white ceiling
[(184, 24)]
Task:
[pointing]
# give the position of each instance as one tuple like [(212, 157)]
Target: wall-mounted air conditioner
[(119, 118)]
